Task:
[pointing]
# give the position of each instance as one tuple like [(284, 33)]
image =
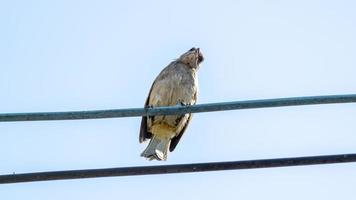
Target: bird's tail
[(157, 148)]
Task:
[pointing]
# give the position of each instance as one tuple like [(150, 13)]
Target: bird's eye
[(192, 49)]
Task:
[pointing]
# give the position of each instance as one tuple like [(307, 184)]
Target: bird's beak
[(200, 56)]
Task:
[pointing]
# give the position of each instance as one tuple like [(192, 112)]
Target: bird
[(176, 84)]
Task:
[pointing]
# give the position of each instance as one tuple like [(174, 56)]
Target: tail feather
[(157, 149)]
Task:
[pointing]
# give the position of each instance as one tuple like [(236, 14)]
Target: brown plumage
[(176, 84)]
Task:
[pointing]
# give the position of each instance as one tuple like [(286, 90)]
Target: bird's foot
[(182, 103)]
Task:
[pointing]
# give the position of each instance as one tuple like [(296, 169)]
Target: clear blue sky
[(86, 55)]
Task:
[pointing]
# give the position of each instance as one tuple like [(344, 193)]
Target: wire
[(181, 168), (172, 110), (175, 110)]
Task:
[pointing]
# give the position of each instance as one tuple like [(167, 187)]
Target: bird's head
[(192, 58)]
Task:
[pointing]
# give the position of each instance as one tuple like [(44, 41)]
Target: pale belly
[(169, 93)]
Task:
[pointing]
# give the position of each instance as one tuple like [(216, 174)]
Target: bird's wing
[(176, 139), (144, 134)]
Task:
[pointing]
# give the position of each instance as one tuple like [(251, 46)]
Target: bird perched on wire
[(177, 84)]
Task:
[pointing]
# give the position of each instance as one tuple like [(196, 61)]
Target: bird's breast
[(178, 88)]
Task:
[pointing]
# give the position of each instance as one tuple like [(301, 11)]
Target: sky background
[(87, 55)]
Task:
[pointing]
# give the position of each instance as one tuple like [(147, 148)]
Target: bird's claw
[(148, 106), (182, 103)]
